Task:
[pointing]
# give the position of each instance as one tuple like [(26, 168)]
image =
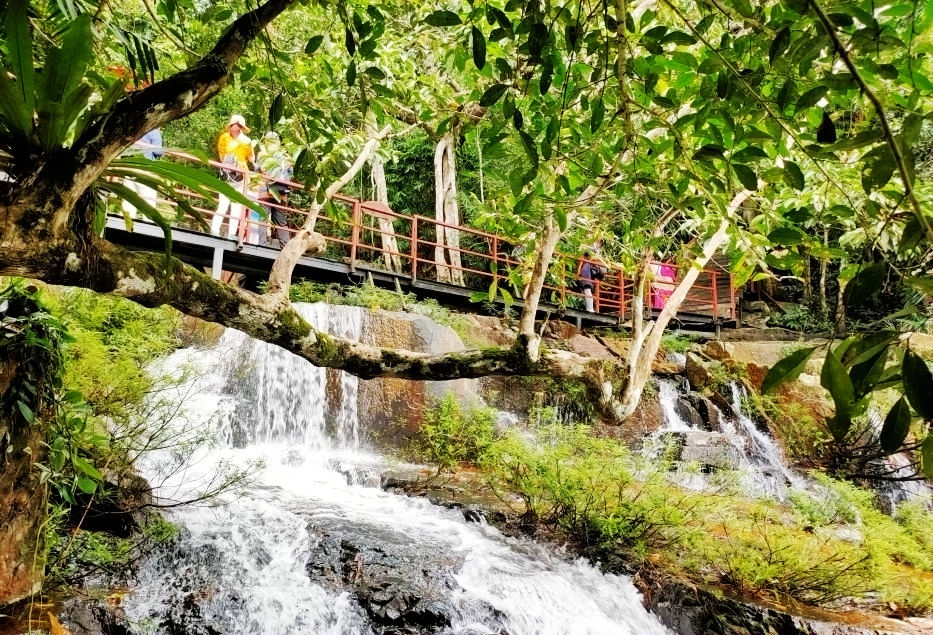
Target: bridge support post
[(217, 265)]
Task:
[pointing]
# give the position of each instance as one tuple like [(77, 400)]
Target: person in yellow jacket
[(234, 148)]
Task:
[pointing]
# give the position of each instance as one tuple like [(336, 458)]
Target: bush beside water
[(831, 547)]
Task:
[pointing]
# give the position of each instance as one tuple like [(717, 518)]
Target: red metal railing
[(409, 246)]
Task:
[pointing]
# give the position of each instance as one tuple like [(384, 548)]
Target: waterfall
[(734, 443), (307, 546)]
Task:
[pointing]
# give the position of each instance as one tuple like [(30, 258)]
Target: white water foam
[(241, 564)]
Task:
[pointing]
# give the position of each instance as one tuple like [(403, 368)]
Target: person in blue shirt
[(150, 146)]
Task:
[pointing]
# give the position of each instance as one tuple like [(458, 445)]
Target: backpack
[(231, 176), (598, 271)]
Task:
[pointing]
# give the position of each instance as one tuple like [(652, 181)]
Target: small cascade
[(704, 434), (763, 453), (313, 545)]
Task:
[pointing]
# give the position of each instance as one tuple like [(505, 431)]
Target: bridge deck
[(366, 239)]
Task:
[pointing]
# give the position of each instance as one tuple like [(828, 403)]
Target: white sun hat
[(238, 119)]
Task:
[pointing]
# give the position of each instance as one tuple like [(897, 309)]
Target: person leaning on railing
[(235, 149), (590, 270), (276, 165)]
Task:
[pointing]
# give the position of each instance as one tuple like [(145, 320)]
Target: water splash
[(246, 564)]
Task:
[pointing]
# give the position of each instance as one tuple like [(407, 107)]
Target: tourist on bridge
[(591, 269), (150, 145), (235, 149), (277, 168)]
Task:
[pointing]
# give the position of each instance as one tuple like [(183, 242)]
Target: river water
[(312, 545)]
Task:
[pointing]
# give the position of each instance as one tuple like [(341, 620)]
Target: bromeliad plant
[(50, 95)]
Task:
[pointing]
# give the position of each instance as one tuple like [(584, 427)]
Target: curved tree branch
[(143, 110)]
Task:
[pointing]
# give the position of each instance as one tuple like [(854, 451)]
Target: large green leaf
[(877, 168), (787, 369), (787, 236), (866, 284), (794, 176), (479, 48), (143, 207), (896, 426), (835, 379), (779, 44), (747, 176), (190, 177), (918, 384), (19, 49), (443, 18), (492, 95), (811, 97)]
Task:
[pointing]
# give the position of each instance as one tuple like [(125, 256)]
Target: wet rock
[(91, 616), (697, 372), (399, 590), (690, 610), (711, 415), (688, 413), (710, 449)]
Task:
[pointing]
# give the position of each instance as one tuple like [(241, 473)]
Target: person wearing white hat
[(236, 149)]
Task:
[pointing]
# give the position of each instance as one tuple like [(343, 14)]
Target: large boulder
[(709, 449)]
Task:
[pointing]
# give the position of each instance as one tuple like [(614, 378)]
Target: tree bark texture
[(23, 499), (386, 226), (447, 211)]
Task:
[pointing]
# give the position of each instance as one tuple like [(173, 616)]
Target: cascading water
[(309, 547), (735, 443)]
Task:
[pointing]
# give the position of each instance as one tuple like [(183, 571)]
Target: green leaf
[(793, 176), (547, 75), (785, 94), (443, 18), (787, 369), (749, 154), (350, 42), (351, 73), (131, 196), (877, 168), (19, 52), (918, 384), (779, 45), (710, 151), (746, 176), (26, 411), (86, 485), (787, 236), (896, 426), (811, 97), (598, 111), (835, 379), (314, 43), (492, 95), (530, 148), (276, 110), (926, 456), (83, 466), (866, 284), (479, 48)]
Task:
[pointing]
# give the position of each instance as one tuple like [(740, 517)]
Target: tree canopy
[(778, 132)]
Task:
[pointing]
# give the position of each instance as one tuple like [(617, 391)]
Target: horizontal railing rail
[(373, 236)]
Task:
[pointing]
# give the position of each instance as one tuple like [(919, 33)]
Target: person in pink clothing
[(663, 284)]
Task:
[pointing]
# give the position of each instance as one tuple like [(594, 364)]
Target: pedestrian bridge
[(366, 240)]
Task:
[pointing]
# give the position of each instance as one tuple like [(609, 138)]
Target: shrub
[(451, 434)]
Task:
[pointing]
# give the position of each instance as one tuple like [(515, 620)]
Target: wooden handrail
[(613, 293)]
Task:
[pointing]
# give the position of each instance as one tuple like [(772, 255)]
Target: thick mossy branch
[(154, 280)]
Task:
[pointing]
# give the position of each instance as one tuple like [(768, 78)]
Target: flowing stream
[(312, 545)]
